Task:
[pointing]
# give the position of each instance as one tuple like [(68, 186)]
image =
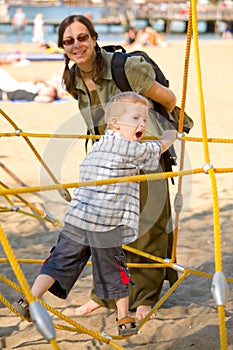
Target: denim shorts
[(68, 259)]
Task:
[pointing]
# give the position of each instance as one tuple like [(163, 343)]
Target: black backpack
[(118, 73)]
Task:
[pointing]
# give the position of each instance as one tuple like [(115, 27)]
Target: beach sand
[(189, 318)]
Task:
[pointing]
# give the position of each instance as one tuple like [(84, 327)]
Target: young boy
[(102, 218)]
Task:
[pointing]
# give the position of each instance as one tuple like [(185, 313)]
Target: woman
[(90, 81)]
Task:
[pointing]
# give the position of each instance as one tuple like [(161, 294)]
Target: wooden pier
[(152, 13)]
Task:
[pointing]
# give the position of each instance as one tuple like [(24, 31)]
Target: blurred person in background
[(19, 23), (38, 29)]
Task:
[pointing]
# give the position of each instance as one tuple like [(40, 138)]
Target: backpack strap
[(118, 71), (120, 78), (113, 48)]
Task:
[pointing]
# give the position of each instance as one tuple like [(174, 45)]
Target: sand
[(189, 318)]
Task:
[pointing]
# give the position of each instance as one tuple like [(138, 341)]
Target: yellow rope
[(222, 323), (223, 170), (185, 73), (210, 139), (59, 136), (36, 153), (15, 266), (217, 237), (146, 138), (136, 178), (42, 216), (199, 82), (54, 344), (180, 128)]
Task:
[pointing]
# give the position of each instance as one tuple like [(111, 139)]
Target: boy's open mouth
[(139, 135)]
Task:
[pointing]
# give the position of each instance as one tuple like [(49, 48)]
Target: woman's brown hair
[(68, 77)]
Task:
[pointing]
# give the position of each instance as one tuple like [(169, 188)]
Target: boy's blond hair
[(119, 103)]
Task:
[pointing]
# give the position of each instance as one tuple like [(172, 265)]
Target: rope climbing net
[(219, 281)]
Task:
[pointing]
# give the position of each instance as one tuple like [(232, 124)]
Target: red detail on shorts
[(124, 277), (45, 261)]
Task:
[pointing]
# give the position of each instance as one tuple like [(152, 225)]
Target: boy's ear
[(115, 123)]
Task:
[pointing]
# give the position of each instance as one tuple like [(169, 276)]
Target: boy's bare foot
[(142, 312), (83, 310)]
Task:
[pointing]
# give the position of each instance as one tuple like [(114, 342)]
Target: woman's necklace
[(86, 74), (88, 79)]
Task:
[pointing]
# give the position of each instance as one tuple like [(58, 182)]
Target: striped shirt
[(102, 208)]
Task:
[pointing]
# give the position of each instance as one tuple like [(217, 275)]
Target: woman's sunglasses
[(81, 37)]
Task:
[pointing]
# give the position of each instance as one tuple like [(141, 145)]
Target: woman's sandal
[(127, 326), (22, 308)]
